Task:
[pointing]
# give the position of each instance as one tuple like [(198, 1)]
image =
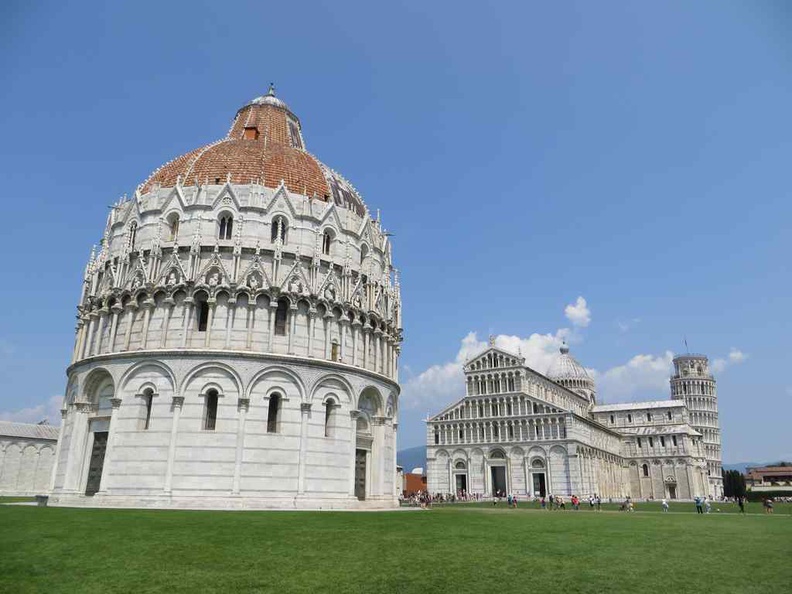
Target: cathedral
[(530, 434), (238, 337)]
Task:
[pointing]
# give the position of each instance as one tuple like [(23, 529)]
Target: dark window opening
[(645, 469), (226, 227), (210, 419), (281, 317), (326, 241), (272, 413), (328, 417), (149, 401), (203, 316), (251, 133)]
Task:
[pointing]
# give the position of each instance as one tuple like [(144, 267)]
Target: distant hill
[(741, 466), (412, 458)]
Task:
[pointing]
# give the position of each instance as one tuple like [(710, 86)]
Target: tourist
[(543, 503), (768, 505), (707, 505), (664, 503), (699, 505), (741, 503), (599, 502)]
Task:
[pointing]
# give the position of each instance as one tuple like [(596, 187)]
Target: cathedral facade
[(531, 434), (238, 336)]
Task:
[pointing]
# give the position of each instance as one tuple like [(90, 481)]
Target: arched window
[(648, 416), (281, 317), (210, 413), (611, 419), (460, 465), (328, 427), (670, 416), (327, 239), (629, 418), (132, 237), (437, 436), (148, 401), (273, 413), (226, 227), (363, 253), (645, 469), (278, 230), (173, 226), (202, 313)]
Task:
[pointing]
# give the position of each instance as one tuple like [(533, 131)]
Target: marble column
[(242, 407), (111, 438), (176, 408), (305, 418)]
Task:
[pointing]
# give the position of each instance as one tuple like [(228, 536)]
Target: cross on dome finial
[(271, 91)]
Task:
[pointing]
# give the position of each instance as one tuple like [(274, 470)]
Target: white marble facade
[(519, 431), (237, 341), (27, 456)]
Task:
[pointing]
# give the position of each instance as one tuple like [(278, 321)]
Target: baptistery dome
[(264, 146), (238, 336), (566, 371)]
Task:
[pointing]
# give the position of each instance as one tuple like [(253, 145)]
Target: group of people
[(556, 502)]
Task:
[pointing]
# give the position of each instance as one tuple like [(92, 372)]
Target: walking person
[(664, 503), (741, 503)]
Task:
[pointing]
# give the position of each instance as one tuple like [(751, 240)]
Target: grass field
[(448, 549)]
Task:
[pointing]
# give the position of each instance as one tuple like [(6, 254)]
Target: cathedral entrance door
[(360, 474), (539, 485), (672, 491), (461, 483), (96, 463), (498, 480)]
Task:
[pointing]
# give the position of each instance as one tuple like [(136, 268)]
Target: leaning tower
[(693, 383)]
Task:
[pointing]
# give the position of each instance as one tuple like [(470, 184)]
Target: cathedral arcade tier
[(238, 336)]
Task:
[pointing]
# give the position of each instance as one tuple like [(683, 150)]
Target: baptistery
[(238, 336)]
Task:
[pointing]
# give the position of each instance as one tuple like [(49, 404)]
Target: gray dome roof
[(567, 367), (269, 99)]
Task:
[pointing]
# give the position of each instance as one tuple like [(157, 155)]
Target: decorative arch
[(193, 373), (371, 393), (130, 373), (326, 381), (96, 383), (262, 375)]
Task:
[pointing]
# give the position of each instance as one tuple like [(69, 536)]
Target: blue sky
[(524, 155)]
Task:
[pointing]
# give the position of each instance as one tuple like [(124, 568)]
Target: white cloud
[(441, 384), (49, 410), (627, 325), (643, 375), (735, 357), (578, 313)]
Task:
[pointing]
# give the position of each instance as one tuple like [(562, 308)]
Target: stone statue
[(253, 282), (172, 278), (330, 293), (213, 279)]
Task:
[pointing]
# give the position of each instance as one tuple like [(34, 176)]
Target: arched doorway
[(368, 409), (97, 395), (538, 478), (671, 487), (498, 481), (460, 478)]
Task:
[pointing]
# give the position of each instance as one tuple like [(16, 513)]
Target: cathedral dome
[(566, 370), (567, 367), (264, 146)]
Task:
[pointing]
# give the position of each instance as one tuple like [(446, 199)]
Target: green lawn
[(448, 549)]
